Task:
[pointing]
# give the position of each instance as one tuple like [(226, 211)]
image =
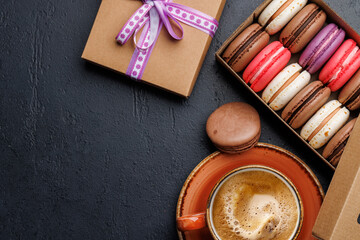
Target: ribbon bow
[(152, 16)]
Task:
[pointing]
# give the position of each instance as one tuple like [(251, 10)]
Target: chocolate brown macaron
[(245, 47), (334, 149), (350, 94), (234, 127), (303, 27), (305, 104)]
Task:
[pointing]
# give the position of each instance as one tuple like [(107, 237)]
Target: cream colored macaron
[(285, 86), (278, 13), (325, 123)]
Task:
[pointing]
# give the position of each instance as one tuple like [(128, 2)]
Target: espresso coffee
[(255, 204)]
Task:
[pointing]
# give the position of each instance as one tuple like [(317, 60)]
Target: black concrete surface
[(88, 154)]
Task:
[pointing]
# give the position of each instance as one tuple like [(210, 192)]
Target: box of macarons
[(301, 60)]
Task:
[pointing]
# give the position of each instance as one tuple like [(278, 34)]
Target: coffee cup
[(250, 202)]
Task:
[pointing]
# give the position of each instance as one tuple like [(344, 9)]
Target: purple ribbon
[(152, 16)]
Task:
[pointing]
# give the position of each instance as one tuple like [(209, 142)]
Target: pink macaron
[(266, 65), (341, 66)]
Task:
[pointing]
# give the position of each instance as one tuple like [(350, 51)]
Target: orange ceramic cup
[(204, 219)]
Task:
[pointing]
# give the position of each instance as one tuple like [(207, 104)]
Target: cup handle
[(191, 222)]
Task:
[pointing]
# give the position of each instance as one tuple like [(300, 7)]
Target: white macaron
[(278, 13), (325, 123), (285, 86)]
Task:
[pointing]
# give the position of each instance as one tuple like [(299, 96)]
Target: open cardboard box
[(339, 217), (331, 17)]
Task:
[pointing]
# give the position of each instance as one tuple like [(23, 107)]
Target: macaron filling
[(303, 26), (245, 45), (323, 123), (285, 85), (279, 11), (266, 62), (322, 47), (349, 58), (240, 148), (303, 104)]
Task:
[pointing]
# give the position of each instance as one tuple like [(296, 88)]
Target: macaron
[(350, 94), (245, 47), (234, 127), (321, 48), (266, 65), (341, 66), (324, 124), (285, 86), (303, 106), (334, 149), (303, 27), (278, 13)]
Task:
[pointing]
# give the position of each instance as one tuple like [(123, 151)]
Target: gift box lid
[(173, 65), (339, 216)]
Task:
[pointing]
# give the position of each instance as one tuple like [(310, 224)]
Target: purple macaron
[(321, 48)]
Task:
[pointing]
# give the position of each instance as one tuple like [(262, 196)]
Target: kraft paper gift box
[(173, 65)]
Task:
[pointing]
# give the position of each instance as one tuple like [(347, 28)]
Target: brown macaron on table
[(234, 127)]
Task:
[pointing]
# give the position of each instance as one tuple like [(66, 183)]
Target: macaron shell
[(290, 91), (249, 51), (275, 57), (346, 74), (308, 110), (250, 70), (269, 11), (275, 67), (280, 80), (315, 44), (330, 128), (349, 90), (335, 160), (280, 21), (355, 104), (336, 60), (339, 138), (225, 126), (341, 66), (294, 108), (309, 31), (326, 53), (317, 119), (325, 43), (241, 148)]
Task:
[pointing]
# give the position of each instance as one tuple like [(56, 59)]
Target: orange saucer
[(194, 194)]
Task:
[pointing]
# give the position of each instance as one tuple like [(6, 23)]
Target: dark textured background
[(86, 154)]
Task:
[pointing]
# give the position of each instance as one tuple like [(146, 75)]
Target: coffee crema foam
[(255, 205)]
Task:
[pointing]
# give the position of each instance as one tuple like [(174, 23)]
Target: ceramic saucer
[(194, 194)]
